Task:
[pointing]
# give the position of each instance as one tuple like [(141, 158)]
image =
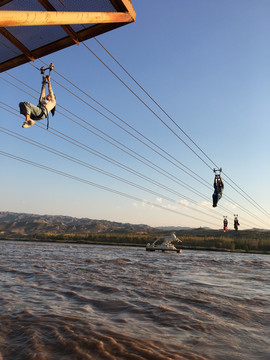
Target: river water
[(69, 302)]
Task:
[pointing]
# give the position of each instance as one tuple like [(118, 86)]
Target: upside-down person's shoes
[(28, 123)]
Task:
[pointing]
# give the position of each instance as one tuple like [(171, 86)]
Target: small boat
[(164, 243)]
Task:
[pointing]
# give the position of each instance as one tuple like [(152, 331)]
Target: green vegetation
[(100, 238), (244, 241), (197, 239)]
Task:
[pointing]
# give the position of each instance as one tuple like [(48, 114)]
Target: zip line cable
[(154, 166), (171, 119), (87, 123), (261, 209), (148, 107), (96, 185), (154, 101), (209, 187), (135, 93), (255, 204), (174, 122), (128, 125), (130, 170), (94, 168), (104, 157), (136, 174), (265, 213), (137, 132), (185, 185), (68, 90), (139, 139), (158, 169), (132, 135)]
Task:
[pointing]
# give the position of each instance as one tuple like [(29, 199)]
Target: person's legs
[(26, 108), (215, 200), (219, 196), (30, 111)]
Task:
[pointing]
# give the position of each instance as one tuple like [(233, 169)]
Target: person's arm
[(42, 93), (50, 87), (222, 185)]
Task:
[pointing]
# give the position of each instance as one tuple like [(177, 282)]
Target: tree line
[(200, 239)]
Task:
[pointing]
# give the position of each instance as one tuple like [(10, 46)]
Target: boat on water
[(164, 243)]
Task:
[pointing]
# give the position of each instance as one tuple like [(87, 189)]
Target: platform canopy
[(30, 29)]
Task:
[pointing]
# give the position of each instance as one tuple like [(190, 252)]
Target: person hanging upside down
[(218, 186), (45, 105), (236, 223)]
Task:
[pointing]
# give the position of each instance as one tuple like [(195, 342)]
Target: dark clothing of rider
[(218, 186), (236, 224)]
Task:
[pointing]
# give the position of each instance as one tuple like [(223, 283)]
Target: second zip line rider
[(218, 187), (46, 104)]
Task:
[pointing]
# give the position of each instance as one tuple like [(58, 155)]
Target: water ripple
[(62, 302)]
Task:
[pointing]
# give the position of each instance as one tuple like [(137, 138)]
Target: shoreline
[(85, 242)]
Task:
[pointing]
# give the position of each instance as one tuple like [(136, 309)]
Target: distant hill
[(172, 228), (65, 228), (21, 225), (178, 228), (14, 225)]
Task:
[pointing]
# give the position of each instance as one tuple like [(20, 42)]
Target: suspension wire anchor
[(218, 170), (43, 70)]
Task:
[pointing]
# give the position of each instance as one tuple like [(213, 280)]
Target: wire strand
[(96, 185), (232, 200), (259, 207), (78, 161), (250, 200)]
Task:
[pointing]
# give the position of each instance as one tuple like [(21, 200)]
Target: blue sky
[(206, 63)]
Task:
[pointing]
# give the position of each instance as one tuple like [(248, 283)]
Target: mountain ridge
[(23, 224)]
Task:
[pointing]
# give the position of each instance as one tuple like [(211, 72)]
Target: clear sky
[(207, 64)]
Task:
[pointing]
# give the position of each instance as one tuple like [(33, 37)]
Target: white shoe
[(28, 123)]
